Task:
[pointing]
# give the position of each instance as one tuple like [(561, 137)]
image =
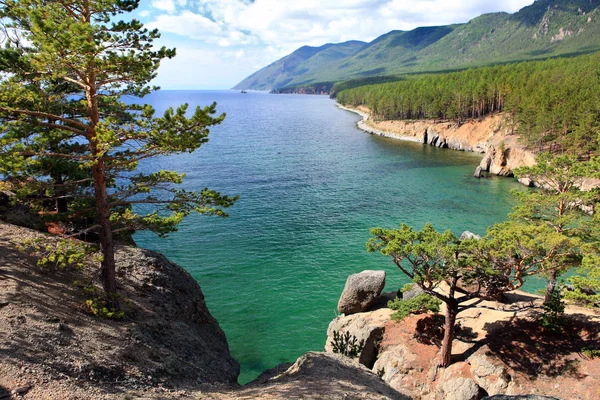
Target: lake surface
[(310, 185)]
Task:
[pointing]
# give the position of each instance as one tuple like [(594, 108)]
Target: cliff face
[(51, 346), (491, 136)]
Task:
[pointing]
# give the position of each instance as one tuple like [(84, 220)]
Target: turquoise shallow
[(310, 185)]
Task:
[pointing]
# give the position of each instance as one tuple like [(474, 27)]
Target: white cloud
[(269, 29), (164, 5)]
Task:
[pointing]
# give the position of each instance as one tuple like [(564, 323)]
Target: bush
[(419, 304), (551, 317), (346, 344)]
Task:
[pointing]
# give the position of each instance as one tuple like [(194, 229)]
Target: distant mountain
[(547, 28), (306, 59)]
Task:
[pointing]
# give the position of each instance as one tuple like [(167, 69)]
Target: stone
[(526, 181), (323, 376), (486, 161), (367, 327), (492, 377), (459, 389), (412, 293), (360, 291), (478, 172), (469, 235)]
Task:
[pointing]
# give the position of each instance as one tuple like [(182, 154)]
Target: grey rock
[(527, 182), (323, 375), (486, 161), (360, 291), (365, 327), (478, 172), (412, 293), (459, 389), (469, 235)]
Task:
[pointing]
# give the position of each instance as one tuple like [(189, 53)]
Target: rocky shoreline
[(491, 137), (169, 345)]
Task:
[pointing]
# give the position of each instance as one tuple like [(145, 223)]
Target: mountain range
[(546, 28)]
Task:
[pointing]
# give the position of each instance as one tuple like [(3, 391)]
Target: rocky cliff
[(492, 136), (500, 349), (53, 347), (167, 346)]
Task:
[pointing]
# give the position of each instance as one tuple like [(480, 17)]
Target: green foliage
[(70, 142), (590, 352), (98, 303), (554, 102), (419, 304), (58, 254), (407, 288), (551, 317), (346, 344)]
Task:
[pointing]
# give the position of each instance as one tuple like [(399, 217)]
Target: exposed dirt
[(506, 342)]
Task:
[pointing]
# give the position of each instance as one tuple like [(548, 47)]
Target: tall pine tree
[(68, 136)]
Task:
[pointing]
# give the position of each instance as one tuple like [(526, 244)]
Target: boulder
[(493, 377), (412, 293), (486, 161), (360, 291), (478, 172), (526, 181), (367, 327), (469, 235), (322, 376), (459, 389)]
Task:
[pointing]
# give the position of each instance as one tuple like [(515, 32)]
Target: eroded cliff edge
[(492, 136)]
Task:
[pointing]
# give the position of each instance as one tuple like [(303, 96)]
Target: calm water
[(311, 185)]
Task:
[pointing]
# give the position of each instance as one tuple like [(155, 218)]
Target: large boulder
[(360, 291), (365, 327), (322, 376), (491, 375), (469, 235), (459, 389)]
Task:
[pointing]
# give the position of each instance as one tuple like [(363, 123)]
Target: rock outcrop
[(366, 327), (322, 376), (167, 338), (491, 136), (360, 291)]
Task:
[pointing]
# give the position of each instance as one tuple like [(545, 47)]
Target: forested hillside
[(544, 29), (555, 101)]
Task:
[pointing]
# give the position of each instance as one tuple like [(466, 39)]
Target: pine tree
[(67, 132)]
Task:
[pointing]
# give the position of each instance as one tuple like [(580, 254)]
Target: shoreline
[(492, 137), (362, 125)]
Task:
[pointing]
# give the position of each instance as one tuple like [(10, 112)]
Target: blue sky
[(220, 42)]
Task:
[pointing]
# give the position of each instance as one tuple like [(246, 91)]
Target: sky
[(220, 42)]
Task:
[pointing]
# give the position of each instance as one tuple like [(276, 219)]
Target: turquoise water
[(311, 185)]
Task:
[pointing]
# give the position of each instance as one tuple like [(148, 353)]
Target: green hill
[(282, 72), (547, 28)]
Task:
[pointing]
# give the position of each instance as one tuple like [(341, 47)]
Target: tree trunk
[(451, 313), (107, 245), (550, 287)]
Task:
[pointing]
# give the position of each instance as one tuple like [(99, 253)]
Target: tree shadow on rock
[(430, 331), (525, 346)]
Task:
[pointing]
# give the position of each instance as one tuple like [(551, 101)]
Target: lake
[(310, 185)]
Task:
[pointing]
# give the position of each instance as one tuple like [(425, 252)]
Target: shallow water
[(311, 185)]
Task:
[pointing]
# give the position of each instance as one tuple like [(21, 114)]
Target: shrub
[(346, 344), (551, 317), (419, 304)]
